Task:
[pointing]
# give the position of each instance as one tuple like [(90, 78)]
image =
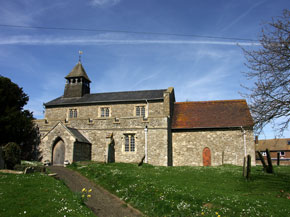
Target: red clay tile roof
[(211, 114), (273, 144)]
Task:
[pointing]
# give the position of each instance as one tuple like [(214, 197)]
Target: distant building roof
[(273, 144), (78, 71), (211, 114), (127, 96)]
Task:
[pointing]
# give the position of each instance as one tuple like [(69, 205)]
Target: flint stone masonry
[(226, 146), (97, 131), (93, 111)]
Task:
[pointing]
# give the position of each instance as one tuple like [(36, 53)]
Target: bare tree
[(269, 68)]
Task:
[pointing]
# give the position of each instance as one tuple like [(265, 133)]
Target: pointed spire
[(78, 70)]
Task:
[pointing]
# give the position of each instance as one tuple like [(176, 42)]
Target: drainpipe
[(245, 146), (147, 105), (146, 131)]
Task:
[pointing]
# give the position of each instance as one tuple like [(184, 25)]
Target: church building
[(146, 125)]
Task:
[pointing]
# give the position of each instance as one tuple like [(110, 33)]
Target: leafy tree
[(12, 154), (16, 124), (269, 68)]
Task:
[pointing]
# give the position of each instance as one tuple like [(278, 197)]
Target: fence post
[(248, 166), (278, 158)]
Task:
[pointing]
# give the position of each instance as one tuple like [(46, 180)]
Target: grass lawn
[(38, 195), (195, 191)]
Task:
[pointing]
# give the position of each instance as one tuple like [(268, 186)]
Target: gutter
[(146, 148)]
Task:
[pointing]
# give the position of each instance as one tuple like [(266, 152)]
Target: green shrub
[(41, 169), (11, 154), (20, 167)]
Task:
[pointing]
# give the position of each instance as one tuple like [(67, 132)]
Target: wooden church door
[(58, 153), (206, 157)]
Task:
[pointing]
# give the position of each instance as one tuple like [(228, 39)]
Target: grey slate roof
[(78, 71), (79, 137), (126, 96)]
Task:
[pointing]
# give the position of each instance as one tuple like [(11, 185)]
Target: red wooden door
[(206, 157)]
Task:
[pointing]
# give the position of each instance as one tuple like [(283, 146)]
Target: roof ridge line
[(128, 91), (229, 100)]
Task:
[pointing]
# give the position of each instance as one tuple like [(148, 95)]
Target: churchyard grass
[(194, 191), (36, 195)]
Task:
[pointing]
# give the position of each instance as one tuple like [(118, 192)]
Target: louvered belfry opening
[(77, 82)]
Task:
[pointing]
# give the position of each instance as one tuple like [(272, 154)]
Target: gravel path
[(102, 203)]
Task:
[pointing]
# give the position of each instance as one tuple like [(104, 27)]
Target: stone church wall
[(93, 111), (97, 131), (226, 146)]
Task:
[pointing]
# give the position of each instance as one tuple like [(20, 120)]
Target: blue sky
[(199, 68)]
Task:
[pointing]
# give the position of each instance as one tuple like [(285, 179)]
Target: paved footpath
[(102, 202)]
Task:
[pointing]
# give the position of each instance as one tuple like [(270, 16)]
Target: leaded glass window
[(129, 143)]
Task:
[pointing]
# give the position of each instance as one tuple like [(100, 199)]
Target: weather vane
[(80, 53)]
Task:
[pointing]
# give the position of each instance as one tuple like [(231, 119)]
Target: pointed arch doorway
[(58, 153), (206, 155)]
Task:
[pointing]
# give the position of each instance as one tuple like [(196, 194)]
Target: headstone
[(248, 166), (278, 158)]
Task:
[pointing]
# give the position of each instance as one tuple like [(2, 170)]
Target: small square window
[(282, 153), (140, 111), (288, 142), (73, 113), (105, 112)]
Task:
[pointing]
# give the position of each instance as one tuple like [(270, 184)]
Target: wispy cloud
[(243, 15), (32, 40), (142, 80), (209, 78), (26, 12), (104, 3)]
